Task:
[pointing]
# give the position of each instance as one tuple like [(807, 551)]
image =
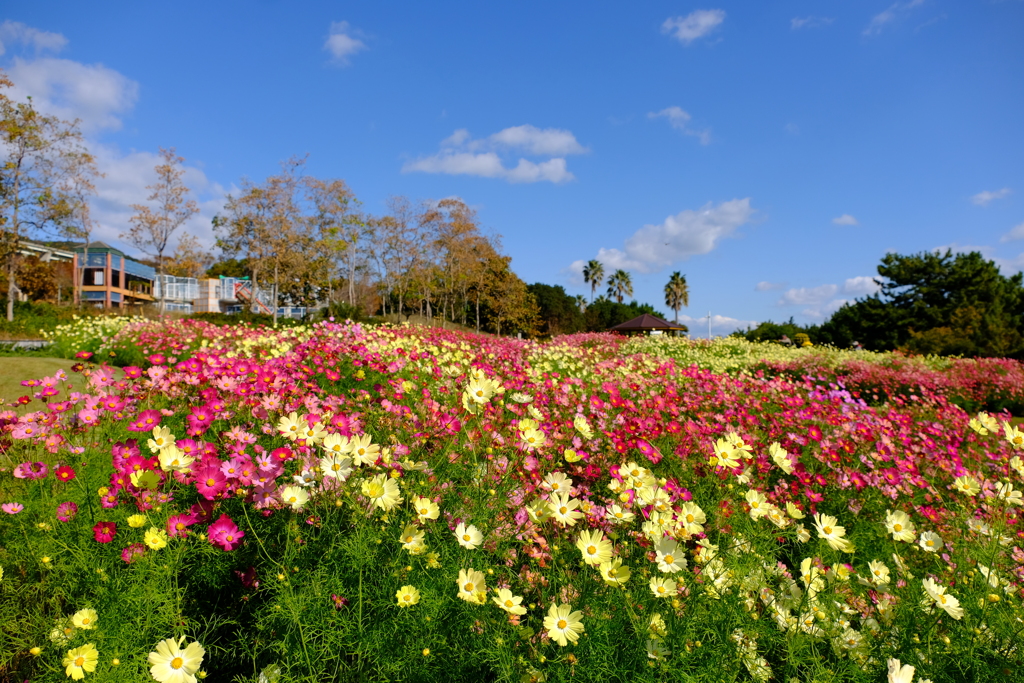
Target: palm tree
[(620, 284), (581, 302), (593, 273), (677, 293)]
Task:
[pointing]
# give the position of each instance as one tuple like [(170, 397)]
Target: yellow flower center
[(661, 589), (211, 482), (407, 597), (669, 559), (827, 530), (591, 550), (177, 663), (563, 510), (562, 623), (79, 661), (468, 587), (229, 538), (929, 543), (689, 519), (424, 511), (86, 621), (509, 604), (897, 527)]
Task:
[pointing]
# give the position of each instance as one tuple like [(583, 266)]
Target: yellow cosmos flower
[(509, 602), (595, 547), (172, 664), (407, 596), (425, 508), (155, 538), (137, 521), (84, 619), (472, 587), (563, 624), (80, 661)]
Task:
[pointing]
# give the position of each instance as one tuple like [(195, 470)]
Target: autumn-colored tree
[(190, 259), (265, 225), (677, 293), (454, 233), (153, 226), (45, 177), (511, 305), (337, 227)]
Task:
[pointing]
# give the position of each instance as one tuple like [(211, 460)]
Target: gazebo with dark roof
[(647, 323)]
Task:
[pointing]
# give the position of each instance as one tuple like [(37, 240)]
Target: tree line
[(935, 302)]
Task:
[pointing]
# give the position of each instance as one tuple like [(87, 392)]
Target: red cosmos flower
[(104, 532), (282, 454), (157, 359), (24, 400), (64, 473), (225, 534), (84, 355), (814, 432)]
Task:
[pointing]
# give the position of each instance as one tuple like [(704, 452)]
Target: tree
[(677, 293), (264, 224), (935, 302), (152, 227), (338, 226), (620, 285), (189, 258), (510, 304), (45, 179), (558, 312), (593, 273)]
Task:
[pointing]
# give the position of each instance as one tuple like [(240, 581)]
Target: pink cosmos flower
[(84, 355), (66, 511), (210, 481), (12, 508), (132, 372), (133, 552), (177, 525), (225, 534), (31, 470)]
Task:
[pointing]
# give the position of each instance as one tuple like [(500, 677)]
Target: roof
[(647, 322), (100, 247)]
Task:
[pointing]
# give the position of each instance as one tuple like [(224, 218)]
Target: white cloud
[(15, 33), (845, 219), (460, 154), (765, 286), (60, 87), (986, 197), (124, 183), (808, 296), (860, 285), (797, 23), (892, 13), (819, 313), (694, 25), (720, 325), (1016, 233), (341, 44), (792, 129), (688, 233), (679, 119)]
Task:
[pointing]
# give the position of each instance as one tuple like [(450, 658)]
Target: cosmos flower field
[(386, 504)]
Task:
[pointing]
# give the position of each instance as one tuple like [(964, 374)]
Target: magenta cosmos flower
[(31, 470), (104, 532), (225, 534), (66, 511), (133, 552)]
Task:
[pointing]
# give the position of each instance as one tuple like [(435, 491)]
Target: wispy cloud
[(342, 43), (861, 285), (845, 219), (1016, 233), (14, 33), (892, 13), (460, 154), (720, 325), (797, 23), (60, 87), (694, 25), (986, 197), (679, 119), (765, 286), (808, 296), (677, 238)]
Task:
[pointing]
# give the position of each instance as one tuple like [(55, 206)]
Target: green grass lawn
[(14, 369)]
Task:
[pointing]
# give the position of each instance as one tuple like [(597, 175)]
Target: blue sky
[(771, 152)]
